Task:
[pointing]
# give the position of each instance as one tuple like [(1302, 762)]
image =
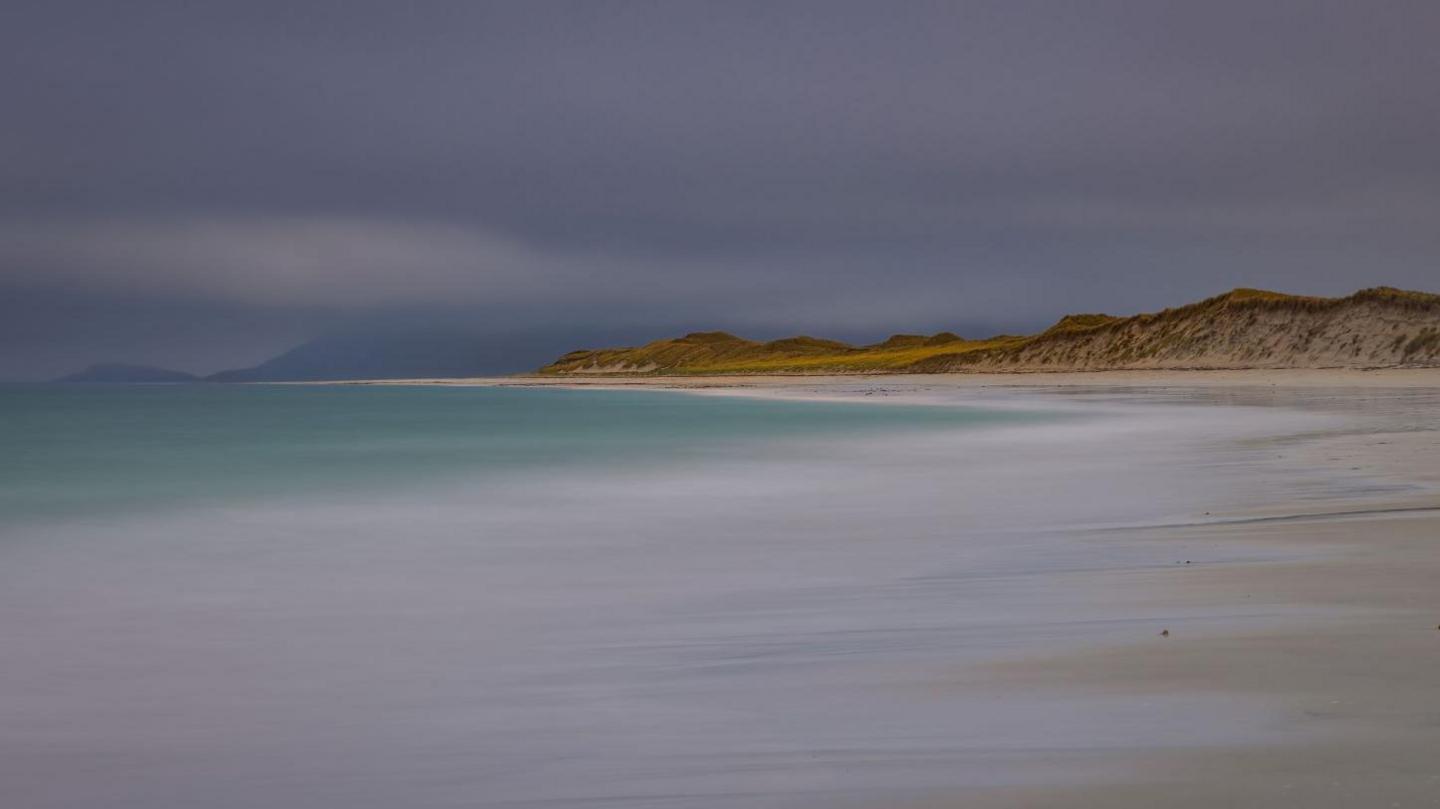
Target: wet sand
[(1355, 686)]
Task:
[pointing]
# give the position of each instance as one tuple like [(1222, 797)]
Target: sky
[(201, 184)]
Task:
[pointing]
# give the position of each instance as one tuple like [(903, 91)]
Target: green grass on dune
[(854, 360), (723, 353), (688, 355)]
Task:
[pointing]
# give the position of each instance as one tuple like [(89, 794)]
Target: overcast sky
[(201, 184)]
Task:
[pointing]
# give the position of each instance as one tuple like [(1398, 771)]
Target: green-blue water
[(72, 450)]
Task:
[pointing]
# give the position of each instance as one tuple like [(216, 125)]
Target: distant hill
[(389, 354), (120, 373), (1244, 328)]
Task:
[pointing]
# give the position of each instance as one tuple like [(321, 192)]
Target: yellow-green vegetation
[(1242, 328), (1242, 294), (1074, 323), (721, 353)]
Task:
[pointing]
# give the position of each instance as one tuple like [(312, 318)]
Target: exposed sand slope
[(1242, 329)]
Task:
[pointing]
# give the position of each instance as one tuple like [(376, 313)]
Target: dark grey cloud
[(608, 167)]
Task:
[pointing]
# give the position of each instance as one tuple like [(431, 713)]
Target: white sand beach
[(1093, 590)]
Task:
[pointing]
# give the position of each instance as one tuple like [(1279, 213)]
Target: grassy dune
[(721, 353), (1242, 328)]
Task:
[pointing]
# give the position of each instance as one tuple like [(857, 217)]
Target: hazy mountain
[(386, 354), (119, 372)]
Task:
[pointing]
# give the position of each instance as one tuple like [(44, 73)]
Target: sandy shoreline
[(1355, 694), (1305, 378)]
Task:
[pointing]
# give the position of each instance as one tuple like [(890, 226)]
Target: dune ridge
[(1380, 327)]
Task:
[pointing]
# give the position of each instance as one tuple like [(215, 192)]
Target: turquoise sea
[(72, 450), (357, 597)]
